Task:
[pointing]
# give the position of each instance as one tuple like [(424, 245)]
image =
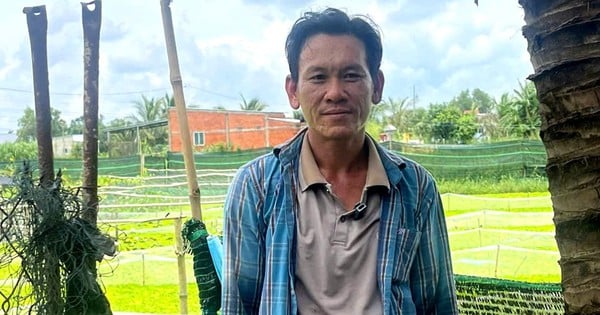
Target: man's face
[(334, 88)]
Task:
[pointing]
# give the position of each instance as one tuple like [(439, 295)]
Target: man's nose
[(335, 91)]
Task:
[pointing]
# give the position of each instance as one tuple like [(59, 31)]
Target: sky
[(432, 49)]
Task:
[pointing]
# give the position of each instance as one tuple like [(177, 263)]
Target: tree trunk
[(564, 44)]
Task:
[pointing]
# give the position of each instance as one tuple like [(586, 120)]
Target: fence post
[(179, 251), (497, 261), (142, 164)]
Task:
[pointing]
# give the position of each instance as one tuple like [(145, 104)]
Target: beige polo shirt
[(336, 255)]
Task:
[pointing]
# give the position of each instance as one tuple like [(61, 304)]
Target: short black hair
[(333, 21)]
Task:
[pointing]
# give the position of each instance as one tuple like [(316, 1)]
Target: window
[(199, 138)]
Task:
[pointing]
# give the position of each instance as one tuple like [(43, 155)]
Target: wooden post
[(183, 294), (37, 23), (497, 261), (91, 14)]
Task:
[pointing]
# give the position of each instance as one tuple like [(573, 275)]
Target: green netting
[(489, 296), (209, 288), (510, 158), (215, 160), (124, 166)]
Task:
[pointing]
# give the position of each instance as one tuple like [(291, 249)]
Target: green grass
[(464, 203), (147, 281), (494, 186), (152, 299)]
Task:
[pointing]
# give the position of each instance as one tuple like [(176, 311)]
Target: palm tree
[(150, 110), (395, 112), (562, 38), (169, 100), (253, 105), (519, 115)]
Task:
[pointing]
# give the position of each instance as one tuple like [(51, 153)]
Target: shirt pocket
[(408, 242)]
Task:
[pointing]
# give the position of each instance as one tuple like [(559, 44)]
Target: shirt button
[(343, 219)]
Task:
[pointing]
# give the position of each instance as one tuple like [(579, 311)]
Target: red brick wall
[(243, 129)]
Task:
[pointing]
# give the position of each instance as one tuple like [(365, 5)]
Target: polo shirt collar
[(310, 174)]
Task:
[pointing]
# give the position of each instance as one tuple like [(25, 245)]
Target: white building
[(63, 146)]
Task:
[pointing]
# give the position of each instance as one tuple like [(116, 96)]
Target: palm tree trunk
[(564, 45)]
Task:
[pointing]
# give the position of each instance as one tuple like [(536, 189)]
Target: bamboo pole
[(176, 82), (188, 155), (37, 23), (91, 16)]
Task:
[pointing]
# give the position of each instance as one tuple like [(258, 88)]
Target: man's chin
[(338, 132)]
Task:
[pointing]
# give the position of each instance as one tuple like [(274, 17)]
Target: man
[(331, 222)]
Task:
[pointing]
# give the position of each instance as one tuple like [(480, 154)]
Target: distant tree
[(449, 124), (155, 139), (482, 101), (169, 100), (466, 128), (254, 104), (149, 109), (17, 151), (377, 114), (417, 123), (27, 125), (475, 100), (122, 142), (76, 126), (519, 114), (395, 112)]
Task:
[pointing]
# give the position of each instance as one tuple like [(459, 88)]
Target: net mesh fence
[(489, 296), (510, 158)]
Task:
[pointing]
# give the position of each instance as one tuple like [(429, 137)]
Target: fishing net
[(49, 252)]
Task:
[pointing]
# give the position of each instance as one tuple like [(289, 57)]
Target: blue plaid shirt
[(414, 267)]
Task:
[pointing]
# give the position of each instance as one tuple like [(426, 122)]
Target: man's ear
[(290, 89), (378, 88)]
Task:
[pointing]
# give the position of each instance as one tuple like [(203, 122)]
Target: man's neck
[(336, 157)]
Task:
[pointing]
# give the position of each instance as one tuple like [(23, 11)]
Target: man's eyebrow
[(354, 67), (315, 69)]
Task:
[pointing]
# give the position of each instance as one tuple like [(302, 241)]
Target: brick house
[(235, 129)]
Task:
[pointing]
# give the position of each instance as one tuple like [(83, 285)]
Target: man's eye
[(317, 77), (352, 76)]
